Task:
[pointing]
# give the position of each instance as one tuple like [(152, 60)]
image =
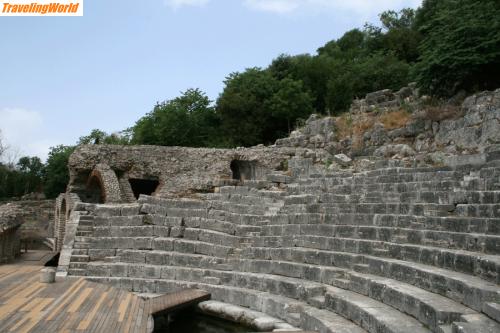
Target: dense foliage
[(446, 46), (188, 120), (256, 107), (56, 175), (460, 49)]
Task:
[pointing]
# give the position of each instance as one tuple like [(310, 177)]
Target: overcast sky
[(63, 76)]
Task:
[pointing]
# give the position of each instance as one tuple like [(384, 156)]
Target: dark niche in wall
[(94, 192), (143, 186), (246, 170)]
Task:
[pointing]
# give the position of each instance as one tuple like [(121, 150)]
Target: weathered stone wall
[(63, 207), (387, 99), (178, 170), (431, 135), (35, 218), (10, 242)]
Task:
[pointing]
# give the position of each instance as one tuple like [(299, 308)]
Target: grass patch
[(395, 119)]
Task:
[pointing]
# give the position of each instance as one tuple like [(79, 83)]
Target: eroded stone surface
[(404, 239)]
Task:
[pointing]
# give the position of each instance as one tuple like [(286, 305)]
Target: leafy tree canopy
[(56, 175), (460, 49), (188, 120)]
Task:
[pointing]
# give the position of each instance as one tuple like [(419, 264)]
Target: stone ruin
[(313, 231), (10, 238)]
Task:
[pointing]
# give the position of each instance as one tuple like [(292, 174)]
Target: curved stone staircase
[(386, 250)]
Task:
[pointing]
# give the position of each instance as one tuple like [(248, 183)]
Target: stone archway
[(95, 189)]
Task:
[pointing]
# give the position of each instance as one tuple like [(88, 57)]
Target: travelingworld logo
[(41, 8)]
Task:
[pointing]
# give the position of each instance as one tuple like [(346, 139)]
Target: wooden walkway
[(77, 305)]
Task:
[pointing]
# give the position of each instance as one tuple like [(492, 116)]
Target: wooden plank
[(79, 300), (122, 309), (34, 317), (106, 312), (123, 326), (77, 318), (77, 305), (110, 317), (84, 324), (133, 312), (19, 300), (65, 298), (174, 301)]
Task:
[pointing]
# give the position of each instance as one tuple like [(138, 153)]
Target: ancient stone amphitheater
[(374, 244)]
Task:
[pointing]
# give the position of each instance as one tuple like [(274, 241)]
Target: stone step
[(80, 252), (475, 324), (256, 184), (79, 258), (463, 241), (300, 199), (129, 220), (292, 311), (81, 245), (430, 308), (243, 230), (85, 227), (250, 198), (297, 218), (246, 219), (132, 231), (284, 286), (492, 310), (466, 289), (446, 223), (441, 197), (213, 237), (212, 224), (392, 187), (239, 208), (472, 263), (85, 224), (478, 210), (370, 314), (173, 203), (76, 272), (417, 209), (78, 265), (83, 233)]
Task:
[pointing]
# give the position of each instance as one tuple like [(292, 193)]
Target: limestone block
[(48, 275)]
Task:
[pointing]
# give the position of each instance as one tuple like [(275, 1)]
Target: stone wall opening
[(143, 186), (245, 170), (94, 192)]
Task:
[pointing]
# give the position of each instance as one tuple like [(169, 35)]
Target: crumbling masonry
[(407, 240)]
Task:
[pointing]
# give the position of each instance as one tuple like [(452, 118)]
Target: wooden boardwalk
[(77, 305)]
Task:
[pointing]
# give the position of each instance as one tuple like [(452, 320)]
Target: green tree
[(256, 107), (97, 136), (401, 37), (188, 120), (30, 174), (460, 49), (56, 174)]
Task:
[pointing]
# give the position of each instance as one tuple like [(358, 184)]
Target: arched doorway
[(94, 192)]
